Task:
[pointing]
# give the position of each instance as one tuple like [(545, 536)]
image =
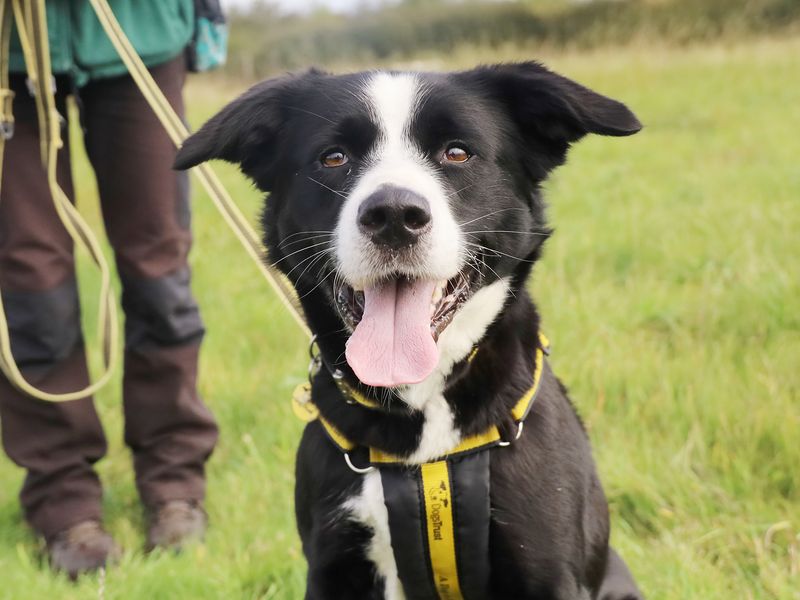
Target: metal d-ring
[(354, 468), (315, 361), (520, 425)]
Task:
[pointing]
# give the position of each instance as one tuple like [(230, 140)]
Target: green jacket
[(158, 29)]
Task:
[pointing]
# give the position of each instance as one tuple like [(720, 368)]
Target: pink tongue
[(393, 345)]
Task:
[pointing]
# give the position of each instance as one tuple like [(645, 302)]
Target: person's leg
[(145, 207), (57, 443)]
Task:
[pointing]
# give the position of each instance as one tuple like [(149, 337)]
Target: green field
[(671, 291)]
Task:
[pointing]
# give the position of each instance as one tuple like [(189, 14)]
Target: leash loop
[(178, 132), (31, 20)]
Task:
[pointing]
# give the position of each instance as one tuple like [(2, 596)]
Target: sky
[(304, 5)]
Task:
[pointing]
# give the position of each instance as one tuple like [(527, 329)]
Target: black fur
[(549, 533)]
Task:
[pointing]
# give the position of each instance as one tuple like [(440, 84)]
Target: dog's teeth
[(437, 295)]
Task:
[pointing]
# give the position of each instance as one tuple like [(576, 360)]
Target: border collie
[(406, 209)]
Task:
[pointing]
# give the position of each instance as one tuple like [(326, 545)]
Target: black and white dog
[(406, 209)]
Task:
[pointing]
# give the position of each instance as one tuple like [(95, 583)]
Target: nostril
[(416, 217), (394, 217), (373, 219)]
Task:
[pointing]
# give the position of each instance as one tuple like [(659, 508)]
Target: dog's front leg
[(618, 583), (335, 544), (339, 568)]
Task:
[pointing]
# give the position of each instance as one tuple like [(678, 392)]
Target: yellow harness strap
[(440, 525), (307, 411)]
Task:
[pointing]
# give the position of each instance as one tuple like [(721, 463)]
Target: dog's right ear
[(246, 131)]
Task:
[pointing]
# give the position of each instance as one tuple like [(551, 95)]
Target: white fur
[(457, 340), (439, 434), (395, 160), (369, 509)]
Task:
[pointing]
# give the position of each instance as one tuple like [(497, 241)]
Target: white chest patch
[(439, 433), (369, 509)]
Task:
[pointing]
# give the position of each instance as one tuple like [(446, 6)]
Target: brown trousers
[(146, 213)]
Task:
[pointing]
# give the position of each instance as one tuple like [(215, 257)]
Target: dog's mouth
[(396, 324), (448, 296)]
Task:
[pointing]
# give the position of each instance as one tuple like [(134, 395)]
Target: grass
[(671, 291)]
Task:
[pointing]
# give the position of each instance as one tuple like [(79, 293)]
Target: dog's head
[(398, 198)]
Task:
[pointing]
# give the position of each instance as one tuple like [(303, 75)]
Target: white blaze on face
[(396, 160), (392, 344)]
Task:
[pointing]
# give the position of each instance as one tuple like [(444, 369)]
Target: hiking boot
[(175, 523), (82, 548)]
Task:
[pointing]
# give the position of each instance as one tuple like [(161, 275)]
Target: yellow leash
[(31, 22), (32, 28), (178, 132)]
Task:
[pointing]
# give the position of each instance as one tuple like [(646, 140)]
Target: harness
[(439, 511)]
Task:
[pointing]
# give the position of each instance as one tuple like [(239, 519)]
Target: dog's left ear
[(247, 131), (552, 108)]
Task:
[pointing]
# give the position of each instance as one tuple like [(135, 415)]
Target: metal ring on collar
[(315, 361), (311, 345), (355, 469), (520, 425)]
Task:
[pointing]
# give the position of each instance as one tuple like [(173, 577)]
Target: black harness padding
[(470, 479), (403, 498), (408, 526)]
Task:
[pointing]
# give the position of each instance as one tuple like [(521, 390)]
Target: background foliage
[(264, 41)]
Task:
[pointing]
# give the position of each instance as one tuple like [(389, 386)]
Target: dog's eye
[(457, 154), (333, 158)]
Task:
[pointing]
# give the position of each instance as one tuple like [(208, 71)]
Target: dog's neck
[(462, 397), (458, 340)]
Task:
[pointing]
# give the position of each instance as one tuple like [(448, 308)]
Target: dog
[(406, 209)]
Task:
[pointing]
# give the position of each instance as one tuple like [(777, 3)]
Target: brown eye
[(334, 158), (457, 154)]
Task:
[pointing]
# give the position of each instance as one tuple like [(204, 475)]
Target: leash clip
[(6, 130), (31, 84), (520, 425), (6, 114)]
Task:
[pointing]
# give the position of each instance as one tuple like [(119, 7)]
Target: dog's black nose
[(394, 216)]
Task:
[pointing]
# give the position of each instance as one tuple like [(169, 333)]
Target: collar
[(307, 411)]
